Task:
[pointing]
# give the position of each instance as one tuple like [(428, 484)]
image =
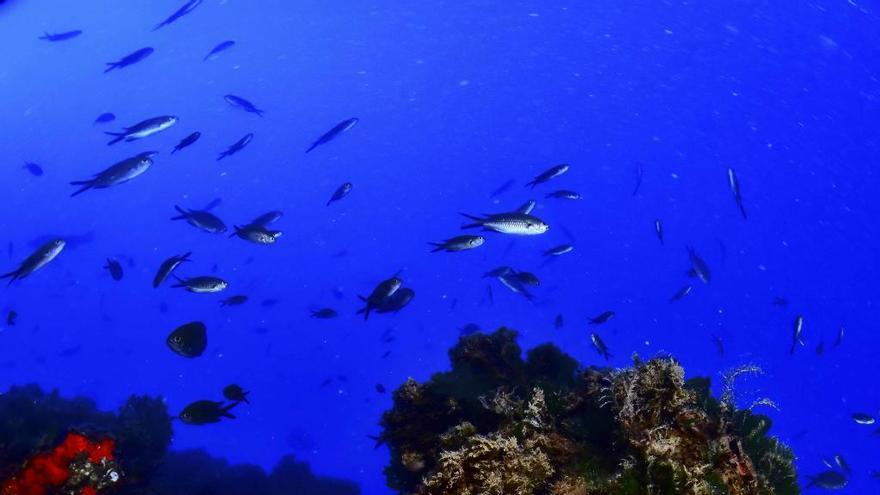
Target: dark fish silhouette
[(559, 322), (61, 36), (11, 316), (238, 146), (681, 293), (116, 174), (602, 318), (235, 393), (104, 118), (222, 46), (201, 219), (396, 301), (640, 173), (192, 138), (548, 174), (143, 129), (330, 135), (658, 229), (324, 313), (245, 105), (131, 58), (237, 300), (37, 260), (600, 346), (341, 192), (33, 169), (267, 218), (203, 412), (186, 9), (699, 268), (168, 266), (380, 295), (733, 182), (798, 333), (114, 268), (189, 340)]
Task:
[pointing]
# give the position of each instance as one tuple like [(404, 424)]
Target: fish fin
[(478, 222), (532, 184), (45, 36), (225, 411), (119, 137), (362, 298), (185, 256), (179, 281), (313, 146), (439, 246), (182, 212), (258, 112), (112, 65), (223, 155), (11, 275), (742, 210), (174, 150)]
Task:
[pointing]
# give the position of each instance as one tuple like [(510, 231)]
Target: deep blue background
[(454, 99)]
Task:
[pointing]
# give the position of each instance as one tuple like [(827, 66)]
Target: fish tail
[(258, 112), (742, 210), (182, 215), (222, 155), (439, 246), (112, 65), (225, 411), (532, 184), (478, 222), (244, 398), (12, 276), (119, 137), (87, 184), (179, 281), (313, 146)]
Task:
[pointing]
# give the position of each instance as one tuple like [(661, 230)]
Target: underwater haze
[(747, 129)]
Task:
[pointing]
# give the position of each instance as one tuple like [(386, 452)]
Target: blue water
[(454, 99)]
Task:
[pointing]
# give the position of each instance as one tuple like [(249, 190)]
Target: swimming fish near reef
[(202, 285), (38, 259), (192, 138), (604, 317), (380, 295), (237, 146), (236, 394), (600, 346), (116, 174), (182, 11), (67, 35), (203, 412), (222, 46), (333, 133), (256, 234), (458, 243), (189, 340), (829, 480), (247, 106), (131, 58), (341, 192), (798, 333), (143, 129), (167, 267), (548, 174), (201, 219), (114, 268), (509, 223)]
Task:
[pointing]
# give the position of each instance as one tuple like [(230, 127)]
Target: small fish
[(247, 106), (189, 340), (564, 194), (257, 234), (604, 317), (11, 316), (237, 146), (548, 174), (203, 412), (105, 118), (559, 322), (719, 345), (202, 285), (396, 301), (116, 174), (38, 259), (780, 301), (600, 346), (640, 173), (167, 267), (503, 188), (324, 313), (499, 272), (182, 11), (201, 219), (509, 223), (341, 192), (33, 169), (192, 138), (863, 418), (829, 480), (67, 35), (681, 293), (330, 135), (237, 300), (114, 268), (143, 129), (798, 337), (527, 207), (559, 250), (380, 294), (528, 278), (235, 394), (699, 268), (380, 388), (131, 58), (469, 329), (222, 46), (658, 229), (458, 243), (733, 182), (267, 218), (842, 464), (513, 283), (839, 339)]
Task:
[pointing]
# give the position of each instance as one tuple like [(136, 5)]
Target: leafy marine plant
[(498, 424)]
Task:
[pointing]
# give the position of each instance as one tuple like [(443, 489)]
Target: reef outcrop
[(498, 424)]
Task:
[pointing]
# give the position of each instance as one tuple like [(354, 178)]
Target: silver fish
[(458, 243), (118, 173), (42, 256), (509, 223), (144, 129), (202, 285)]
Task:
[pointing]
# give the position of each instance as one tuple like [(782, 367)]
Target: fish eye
[(176, 339)]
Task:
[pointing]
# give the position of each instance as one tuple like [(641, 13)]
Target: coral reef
[(54, 445), (498, 424)]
